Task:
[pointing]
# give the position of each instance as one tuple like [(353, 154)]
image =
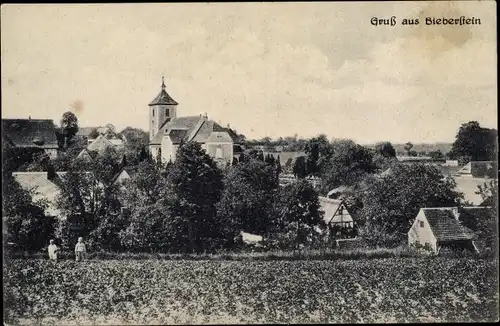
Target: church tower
[(163, 107)]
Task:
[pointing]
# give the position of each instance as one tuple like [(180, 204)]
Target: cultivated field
[(301, 291)]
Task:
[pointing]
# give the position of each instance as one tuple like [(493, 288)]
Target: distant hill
[(422, 147)]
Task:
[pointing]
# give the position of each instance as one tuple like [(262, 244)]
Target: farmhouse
[(45, 185), (30, 134), (438, 228), (338, 218), (167, 131)]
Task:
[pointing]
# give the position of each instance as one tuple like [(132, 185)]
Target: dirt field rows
[(175, 292)]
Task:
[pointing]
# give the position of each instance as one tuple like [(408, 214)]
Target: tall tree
[(300, 167), (193, 189), (385, 149), (298, 211), (347, 165), (391, 203), (247, 199), (474, 143), (69, 125)]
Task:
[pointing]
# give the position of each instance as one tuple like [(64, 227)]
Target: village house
[(45, 185), (98, 147), (337, 217), (448, 228), (31, 134), (167, 131)]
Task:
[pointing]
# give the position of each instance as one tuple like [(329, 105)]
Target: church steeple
[(161, 109), (163, 98)]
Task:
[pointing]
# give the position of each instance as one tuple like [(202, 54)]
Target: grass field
[(299, 291)]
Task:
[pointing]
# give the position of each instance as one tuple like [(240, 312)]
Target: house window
[(421, 224)]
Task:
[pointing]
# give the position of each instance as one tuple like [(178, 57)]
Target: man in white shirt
[(80, 249), (52, 251)]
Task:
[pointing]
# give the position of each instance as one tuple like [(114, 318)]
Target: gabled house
[(31, 134), (338, 218), (469, 187), (45, 185), (440, 228)]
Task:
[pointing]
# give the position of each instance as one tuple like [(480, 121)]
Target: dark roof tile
[(36, 133), (445, 226)]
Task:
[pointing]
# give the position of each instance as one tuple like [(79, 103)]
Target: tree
[(385, 149), (25, 222), (436, 155), (391, 203), (69, 125), (298, 211), (136, 143), (247, 199), (474, 143), (300, 167), (408, 146), (318, 149), (348, 164), (194, 186)]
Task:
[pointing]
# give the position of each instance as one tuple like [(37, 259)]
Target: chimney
[(454, 211), (29, 117)]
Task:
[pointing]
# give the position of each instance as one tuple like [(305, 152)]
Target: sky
[(267, 69)]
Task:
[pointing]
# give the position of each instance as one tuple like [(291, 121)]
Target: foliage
[(408, 146), (348, 164), (297, 209), (385, 149), (194, 186), (474, 143), (69, 126), (437, 155), (136, 144), (213, 292), (391, 202), (300, 167), (25, 222), (247, 199)]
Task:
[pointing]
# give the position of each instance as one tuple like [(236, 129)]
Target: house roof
[(469, 186), (43, 187), (85, 131), (477, 168), (163, 98), (445, 226), (37, 133), (196, 128), (331, 208), (100, 144)]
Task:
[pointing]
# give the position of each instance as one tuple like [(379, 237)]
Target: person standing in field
[(80, 249), (53, 251)]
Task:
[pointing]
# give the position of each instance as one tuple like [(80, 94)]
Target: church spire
[(163, 83)]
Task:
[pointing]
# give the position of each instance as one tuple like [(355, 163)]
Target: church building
[(167, 131)]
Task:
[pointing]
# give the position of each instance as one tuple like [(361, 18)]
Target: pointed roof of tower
[(163, 97)]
